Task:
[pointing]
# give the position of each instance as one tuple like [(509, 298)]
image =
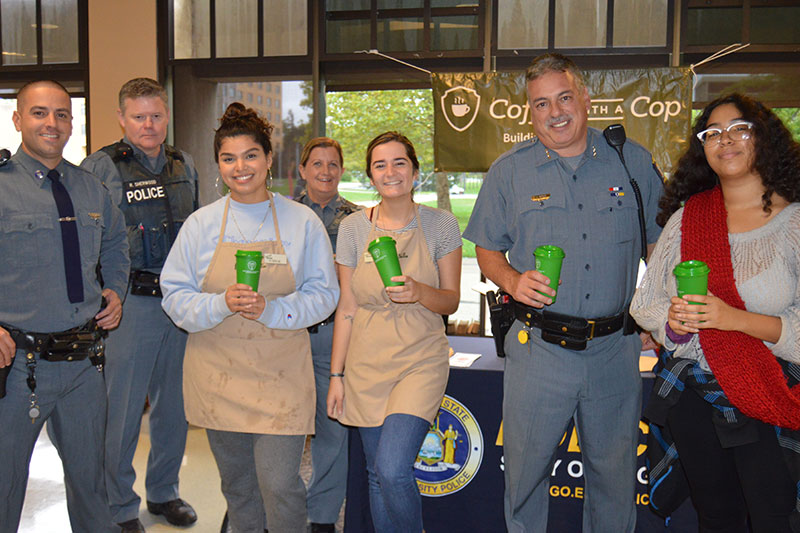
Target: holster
[(144, 283), (501, 316)]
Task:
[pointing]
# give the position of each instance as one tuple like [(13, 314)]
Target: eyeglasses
[(738, 131)]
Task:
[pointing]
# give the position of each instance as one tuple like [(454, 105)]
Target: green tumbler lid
[(549, 250), (691, 269), (379, 240)]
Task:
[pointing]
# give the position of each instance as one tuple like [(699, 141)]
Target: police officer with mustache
[(155, 185)]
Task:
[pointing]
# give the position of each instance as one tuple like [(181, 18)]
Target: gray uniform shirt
[(332, 214), (530, 197), (33, 286)]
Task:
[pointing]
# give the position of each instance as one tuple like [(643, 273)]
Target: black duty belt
[(74, 344), (571, 332), (144, 283), (315, 327)]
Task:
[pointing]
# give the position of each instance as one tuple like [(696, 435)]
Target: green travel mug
[(248, 267), (384, 253), (692, 278), (548, 262)]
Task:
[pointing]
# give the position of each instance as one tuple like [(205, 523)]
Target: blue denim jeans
[(391, 450)]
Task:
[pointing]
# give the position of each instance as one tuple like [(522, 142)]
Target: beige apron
[(397, 360), (241, 375)]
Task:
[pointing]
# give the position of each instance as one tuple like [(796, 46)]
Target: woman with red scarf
[(728, 394)]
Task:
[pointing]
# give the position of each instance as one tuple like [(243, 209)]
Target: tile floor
[(45, 509)]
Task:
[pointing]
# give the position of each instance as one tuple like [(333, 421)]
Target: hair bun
[(237, 111)]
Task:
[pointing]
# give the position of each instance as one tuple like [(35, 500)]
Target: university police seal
[(451, 452)]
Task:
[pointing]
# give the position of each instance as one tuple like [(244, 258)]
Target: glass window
[(343, 36), (60, 31), (454, 3), (260, 99), (581, 23), (74, 151), (269, 87), (522, 24), (775, 25), (400, 4), (640, 22), (285, 28), (455, 33), (19, 33), (250, 98), (709, 26), (269, 115), (400, 34), (191, 28), (269, 101), (237, 28), (346, 5)]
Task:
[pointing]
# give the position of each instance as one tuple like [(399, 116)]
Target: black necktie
[(69, 238)]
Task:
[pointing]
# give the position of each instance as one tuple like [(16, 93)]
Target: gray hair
[(141, 88), (550, 62)]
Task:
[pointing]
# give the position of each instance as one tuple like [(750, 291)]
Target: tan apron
[(397, 360), (241, 375)]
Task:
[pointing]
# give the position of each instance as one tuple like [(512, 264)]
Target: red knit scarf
[(746, 369)]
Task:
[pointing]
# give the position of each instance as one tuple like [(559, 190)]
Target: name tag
[(142, 191), (274, 259), (367, 257)]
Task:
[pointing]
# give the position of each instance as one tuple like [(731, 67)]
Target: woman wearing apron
[(248, 376), (389, 364)]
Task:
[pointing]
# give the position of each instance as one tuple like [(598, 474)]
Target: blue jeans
[(391, 450)]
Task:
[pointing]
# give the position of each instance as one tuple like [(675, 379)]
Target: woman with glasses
[(248, 376), (389, 364), (728, 392)]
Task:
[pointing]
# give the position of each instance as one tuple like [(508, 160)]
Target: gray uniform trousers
[(72, 399), (545, 387), (329, 445), (144, 357)]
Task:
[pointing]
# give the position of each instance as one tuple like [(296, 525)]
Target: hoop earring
[(216, 187), (269, 179)]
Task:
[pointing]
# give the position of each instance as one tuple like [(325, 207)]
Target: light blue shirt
[(307, 248)]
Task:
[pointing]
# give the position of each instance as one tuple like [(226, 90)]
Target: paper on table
[(463, 360)]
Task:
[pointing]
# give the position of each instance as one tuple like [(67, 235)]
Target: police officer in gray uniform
[(568, 188), (155, 186), (321, 168), (57, 222)]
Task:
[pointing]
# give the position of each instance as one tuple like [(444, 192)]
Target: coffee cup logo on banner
[(460, 107)]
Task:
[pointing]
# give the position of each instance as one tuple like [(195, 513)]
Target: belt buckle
[(592, 323)]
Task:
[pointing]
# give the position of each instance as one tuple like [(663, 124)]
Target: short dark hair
[(141, 88), (776, 158), (320, 142), (392, 136), (551, 62), (36, 83), (241, 120)]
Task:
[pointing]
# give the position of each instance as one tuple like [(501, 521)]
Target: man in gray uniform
[(568, 188), (321, 168), (57, 222), (155, 186)]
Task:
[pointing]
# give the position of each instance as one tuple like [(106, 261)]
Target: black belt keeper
[(144, 283), (572, 332), (315, 327)]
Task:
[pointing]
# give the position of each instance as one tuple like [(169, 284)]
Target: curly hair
[(776, 159), (241, 120)]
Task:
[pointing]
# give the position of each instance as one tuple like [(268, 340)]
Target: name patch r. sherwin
[(142, 191)]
